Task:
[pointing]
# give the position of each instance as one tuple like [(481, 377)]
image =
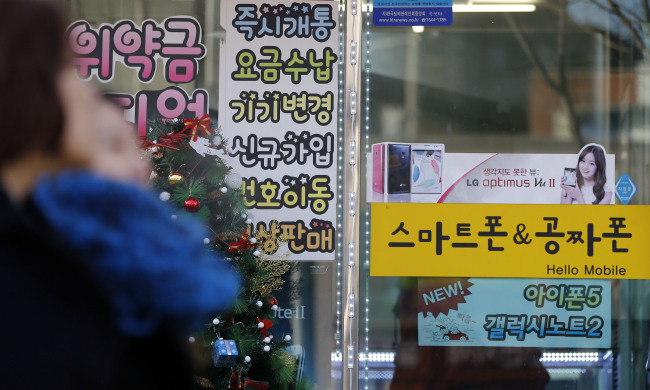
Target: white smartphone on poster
[(426, 168)]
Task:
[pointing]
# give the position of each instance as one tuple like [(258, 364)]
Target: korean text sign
[(278, 102), (175, 43), (566, 313), (503, 240)]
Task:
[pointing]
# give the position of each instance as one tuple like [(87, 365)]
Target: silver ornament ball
[(233, 180)]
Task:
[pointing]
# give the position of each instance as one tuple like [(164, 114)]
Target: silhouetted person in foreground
[(99, 287)]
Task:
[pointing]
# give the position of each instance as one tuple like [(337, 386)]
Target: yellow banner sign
[(501, 240)]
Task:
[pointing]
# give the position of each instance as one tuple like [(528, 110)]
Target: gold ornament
[(203, 383), (273, 268), (155, 152), (285, 359), (175, 178), (230, 237)]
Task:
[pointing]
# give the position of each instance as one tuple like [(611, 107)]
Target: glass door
[(512, 80), (168, 61), (527, 82)]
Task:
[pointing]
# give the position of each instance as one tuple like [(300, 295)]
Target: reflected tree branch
[(560, 88), (607, 40), (634, 19), (616, 9)]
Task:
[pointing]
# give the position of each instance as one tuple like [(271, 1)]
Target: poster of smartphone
[(570, 177), (399, 169), (426, 168), (378, 163)]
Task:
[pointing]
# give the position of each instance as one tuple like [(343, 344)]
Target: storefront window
[(145, 79), (524, 86), (542, 82)]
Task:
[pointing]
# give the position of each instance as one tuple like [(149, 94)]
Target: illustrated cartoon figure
[(455, 336), (447, 329)]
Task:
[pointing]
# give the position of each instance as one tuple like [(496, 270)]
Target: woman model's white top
[(588, 194)]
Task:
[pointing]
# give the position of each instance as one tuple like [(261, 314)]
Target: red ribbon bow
[(236, 380), (170, 141), (243, 244), (267, 325), (202, 124)]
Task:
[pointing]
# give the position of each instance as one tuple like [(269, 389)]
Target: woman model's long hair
[(599, 177)]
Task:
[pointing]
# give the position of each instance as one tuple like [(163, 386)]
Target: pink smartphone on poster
[(378, 162)]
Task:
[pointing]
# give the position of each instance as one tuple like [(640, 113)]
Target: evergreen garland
[(180, 172)]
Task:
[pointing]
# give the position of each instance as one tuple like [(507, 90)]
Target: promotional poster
[(176, 43), (487, 253), (278, 104), (488, 177), (509, 240), (514, 312)]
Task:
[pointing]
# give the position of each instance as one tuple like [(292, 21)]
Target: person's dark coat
[(62, 326)]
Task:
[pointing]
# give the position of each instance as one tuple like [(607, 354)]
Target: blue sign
[(412, 12), (625, 189), (495, 312)]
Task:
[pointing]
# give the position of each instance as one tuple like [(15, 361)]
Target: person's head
[(591, 167), (115, 154), (32, 59), (51, 118)]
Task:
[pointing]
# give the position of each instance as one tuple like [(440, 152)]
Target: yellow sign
[(502, 240)]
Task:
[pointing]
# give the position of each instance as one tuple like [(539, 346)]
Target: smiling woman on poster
[(588, 184)]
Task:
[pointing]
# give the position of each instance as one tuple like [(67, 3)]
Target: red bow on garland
[(170, 141), (202, 124), (243, 244), (236, 382), (267, 325)]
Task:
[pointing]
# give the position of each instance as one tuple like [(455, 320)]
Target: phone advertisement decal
[(584, 178), (506, 240), (514, 312)]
